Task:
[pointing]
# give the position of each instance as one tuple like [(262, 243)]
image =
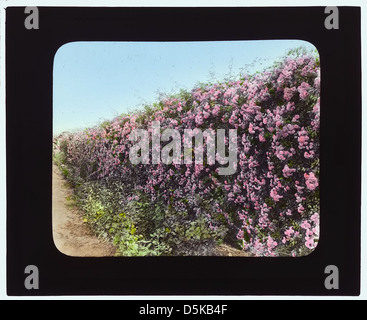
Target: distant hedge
[(269, 206)]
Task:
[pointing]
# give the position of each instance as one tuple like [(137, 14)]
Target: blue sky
[(96, 81)]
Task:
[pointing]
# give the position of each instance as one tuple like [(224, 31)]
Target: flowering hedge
[(270, 205)]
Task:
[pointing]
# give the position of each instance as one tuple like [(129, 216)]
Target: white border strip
[(180, 3), (2, 156), (364, 154)]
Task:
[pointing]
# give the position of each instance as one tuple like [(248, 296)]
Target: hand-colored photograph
[(207, 148)]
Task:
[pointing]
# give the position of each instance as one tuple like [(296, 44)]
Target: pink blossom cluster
[(273, 198)]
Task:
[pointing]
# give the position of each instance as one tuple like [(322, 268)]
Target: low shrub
[(269, 206)]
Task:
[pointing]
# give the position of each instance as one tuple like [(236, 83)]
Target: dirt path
[(71, 235), (225, 250)]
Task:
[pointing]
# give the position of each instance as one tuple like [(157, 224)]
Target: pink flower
[(199, 120), (288, 172), (289, 232), (303, 139), (315, 218), (303, 90), (300, 208), (274, 194), (310, 244), (216, 110), (317, 80), (280, 80), (305, 225), (261, 138), (316, 107), (311, 181), (288, 93), (240, 235), (271, 243), (308, 155), (206, 115)]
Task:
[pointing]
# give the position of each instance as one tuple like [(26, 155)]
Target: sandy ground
[(71, 235), (227, 251)]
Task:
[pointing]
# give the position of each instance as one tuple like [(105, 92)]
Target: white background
[(171, 3)]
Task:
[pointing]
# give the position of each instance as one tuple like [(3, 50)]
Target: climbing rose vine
[(270, 205)]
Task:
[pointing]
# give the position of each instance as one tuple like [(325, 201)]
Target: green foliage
[(141, 228), (105, 124), (171, 231), (118, 228)]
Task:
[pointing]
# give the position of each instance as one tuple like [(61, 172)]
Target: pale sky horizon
[(97, 81)]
